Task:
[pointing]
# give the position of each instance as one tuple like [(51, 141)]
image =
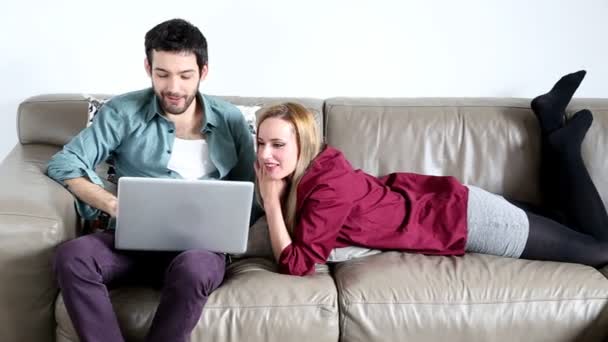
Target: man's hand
[(93, 195)]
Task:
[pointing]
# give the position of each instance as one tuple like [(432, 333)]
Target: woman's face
[(277, 148)]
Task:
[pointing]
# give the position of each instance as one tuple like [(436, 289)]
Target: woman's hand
[(271, 190)]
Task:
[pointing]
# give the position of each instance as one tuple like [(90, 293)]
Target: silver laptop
[(159, 214)]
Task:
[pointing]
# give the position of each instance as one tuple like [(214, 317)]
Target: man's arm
[(93, 194), (243, 141), (74, 166), (243, 170)]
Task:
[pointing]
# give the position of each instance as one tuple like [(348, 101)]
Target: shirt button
[(169, 151), (171, 130)]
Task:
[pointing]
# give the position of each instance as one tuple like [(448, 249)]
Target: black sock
[(550, 107)]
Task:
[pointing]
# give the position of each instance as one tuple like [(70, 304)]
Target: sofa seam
[(327, 107), (483, 303), (30, 216), (53, 101), (455, 106), (435, 106), (271, 306), (342, 321)]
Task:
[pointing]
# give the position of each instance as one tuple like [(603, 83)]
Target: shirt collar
[(210, 117), (154, 107)]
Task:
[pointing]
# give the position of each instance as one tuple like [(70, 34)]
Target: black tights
[(573, 226), (553, 241), (549, 240)]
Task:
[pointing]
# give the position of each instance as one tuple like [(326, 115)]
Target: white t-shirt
[(190, 158)]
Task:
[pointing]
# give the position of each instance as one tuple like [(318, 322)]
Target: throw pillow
[(94, 106), (249, 112)]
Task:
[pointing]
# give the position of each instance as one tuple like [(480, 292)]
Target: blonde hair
[(309, 143)]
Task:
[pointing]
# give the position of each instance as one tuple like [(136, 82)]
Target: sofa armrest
[(604, 271), (36, 214)]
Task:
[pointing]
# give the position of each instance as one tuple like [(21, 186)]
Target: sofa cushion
[(398, 296), (253, 304)]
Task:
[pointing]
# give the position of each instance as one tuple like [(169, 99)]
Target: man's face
[(175, 79)]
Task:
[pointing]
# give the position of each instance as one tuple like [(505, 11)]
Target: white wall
[(316, 48)]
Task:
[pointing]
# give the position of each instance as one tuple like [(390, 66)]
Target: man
[(143, 131)]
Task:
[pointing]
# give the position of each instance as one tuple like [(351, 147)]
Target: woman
[(315, 202)]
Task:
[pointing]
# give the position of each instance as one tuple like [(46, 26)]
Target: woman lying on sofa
[(315, 202)]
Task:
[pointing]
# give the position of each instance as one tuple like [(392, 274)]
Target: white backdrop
[(315, 48)]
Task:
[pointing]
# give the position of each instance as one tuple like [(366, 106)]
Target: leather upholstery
[(492, 143), (253, 304), (407, 297)]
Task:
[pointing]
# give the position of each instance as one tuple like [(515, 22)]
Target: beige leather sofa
[(488, 142)]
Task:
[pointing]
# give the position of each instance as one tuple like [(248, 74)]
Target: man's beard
[(173, 109)]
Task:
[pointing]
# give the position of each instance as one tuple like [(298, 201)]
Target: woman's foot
[(569, 138), (550, 107)]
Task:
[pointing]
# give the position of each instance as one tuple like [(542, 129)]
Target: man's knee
[(197, 269), (72, 258)]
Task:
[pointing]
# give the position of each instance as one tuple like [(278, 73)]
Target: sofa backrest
[(51, 119), (54, 119), (493, 143), (489, 142), (313, 104)]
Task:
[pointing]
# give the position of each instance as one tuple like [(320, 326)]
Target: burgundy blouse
[(338, 206)]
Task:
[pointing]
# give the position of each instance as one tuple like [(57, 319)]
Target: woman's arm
[(279, 236), (320, 219), (271, 191)]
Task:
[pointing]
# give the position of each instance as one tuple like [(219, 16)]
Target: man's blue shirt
[(133, 130)]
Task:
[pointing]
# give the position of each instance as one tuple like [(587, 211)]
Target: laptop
[(160, 214)]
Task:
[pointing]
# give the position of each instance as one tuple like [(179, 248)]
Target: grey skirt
[(495, 226)]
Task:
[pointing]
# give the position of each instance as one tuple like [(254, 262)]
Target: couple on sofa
[(313, 199)]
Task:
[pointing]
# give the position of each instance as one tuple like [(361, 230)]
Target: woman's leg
[(496, 228), (564, 180), (569, 187), (550, 240), (189, 280)]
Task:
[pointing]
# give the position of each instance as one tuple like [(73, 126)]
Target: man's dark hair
[(177, 35)]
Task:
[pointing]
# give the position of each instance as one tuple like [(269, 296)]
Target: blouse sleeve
[(320, 219)]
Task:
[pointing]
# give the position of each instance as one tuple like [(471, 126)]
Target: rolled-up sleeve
[(243, 170), (321, 217), (85, 151)]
